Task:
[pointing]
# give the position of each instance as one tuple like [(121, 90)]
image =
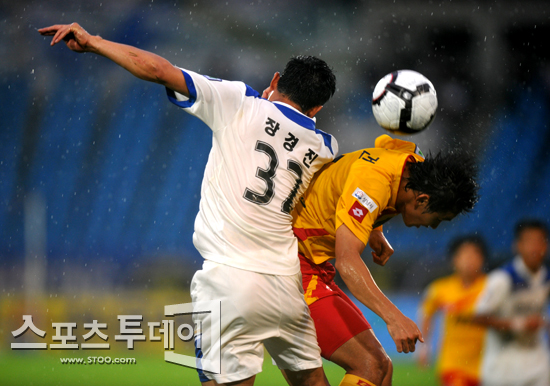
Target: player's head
[(444, 186), (531, 242), (307, 81), (468, 254)]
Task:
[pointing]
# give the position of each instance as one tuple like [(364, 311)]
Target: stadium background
[(100, 175)]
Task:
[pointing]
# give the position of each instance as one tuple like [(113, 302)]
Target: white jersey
[(263, 157), (520, 358)]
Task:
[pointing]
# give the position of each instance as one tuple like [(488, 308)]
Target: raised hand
[(74, 36)]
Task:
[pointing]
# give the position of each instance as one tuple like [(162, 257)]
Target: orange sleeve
[(430, 303), (365, 195)]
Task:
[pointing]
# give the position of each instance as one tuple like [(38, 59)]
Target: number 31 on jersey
[(268, 175)]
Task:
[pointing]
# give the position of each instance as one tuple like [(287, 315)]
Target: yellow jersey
[(358, 189), (462, 343)]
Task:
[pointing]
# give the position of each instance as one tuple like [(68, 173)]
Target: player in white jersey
[(265, 151), (514, 306)]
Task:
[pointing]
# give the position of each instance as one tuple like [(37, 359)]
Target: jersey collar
[(303, 120), (526, 274), (396, 183), (295, 116)]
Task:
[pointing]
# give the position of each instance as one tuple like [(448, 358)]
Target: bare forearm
[(528, 323), (426, 327), (500, 324), (360, 282), (142, 64), (357, 277), (424, 350)]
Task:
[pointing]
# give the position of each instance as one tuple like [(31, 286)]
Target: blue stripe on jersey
[(306, 122), (250, 92), (198, 355), (291, 114), (517, 281), (192, 92)]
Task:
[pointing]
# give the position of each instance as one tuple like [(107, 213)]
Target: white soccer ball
[(404, 102)]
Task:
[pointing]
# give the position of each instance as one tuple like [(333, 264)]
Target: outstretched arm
[(360, 282), (142, 64)]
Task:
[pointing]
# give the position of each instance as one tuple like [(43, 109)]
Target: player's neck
[(276, 96), (288, 102), (468, 281)]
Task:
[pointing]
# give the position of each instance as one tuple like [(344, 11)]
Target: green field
[(45, 369)]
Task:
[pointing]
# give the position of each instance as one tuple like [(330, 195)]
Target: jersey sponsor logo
[(358, 211), (365, 200)]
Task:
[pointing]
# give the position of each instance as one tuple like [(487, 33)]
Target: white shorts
[(257, 310)]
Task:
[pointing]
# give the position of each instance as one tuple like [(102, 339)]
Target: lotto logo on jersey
[(358, 211)]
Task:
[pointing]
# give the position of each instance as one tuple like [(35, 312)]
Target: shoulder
[(501, 279), (444, 283), (201, 81), (435, 293), (480, 282), (383, 162), (204, 88)]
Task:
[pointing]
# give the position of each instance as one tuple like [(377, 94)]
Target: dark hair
[(529, 224), (476, 240), (307, 81), (449, 180)]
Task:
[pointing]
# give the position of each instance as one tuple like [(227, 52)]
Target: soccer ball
[(404, 102)]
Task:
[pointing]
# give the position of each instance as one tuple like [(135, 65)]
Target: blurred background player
[(264, 154), (514, 307), (454, 296), (343, 209)]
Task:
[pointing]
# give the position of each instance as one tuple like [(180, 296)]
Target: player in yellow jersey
[(343, 209), (455, 296)]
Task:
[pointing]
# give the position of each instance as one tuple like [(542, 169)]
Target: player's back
[(263, 157), (254, 196), (369, 178)]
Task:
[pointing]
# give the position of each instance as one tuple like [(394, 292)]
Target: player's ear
[(421, 201), (272, 86), (311, 112), (275, 81)]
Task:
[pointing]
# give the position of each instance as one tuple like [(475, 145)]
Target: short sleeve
[(365, 195), (214, 101), (496, 291), (430, 302)]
